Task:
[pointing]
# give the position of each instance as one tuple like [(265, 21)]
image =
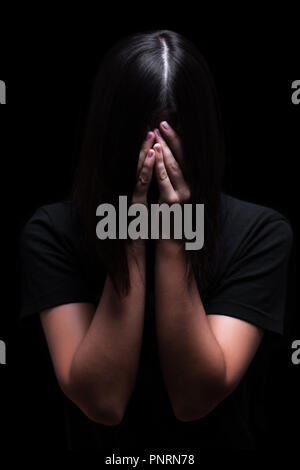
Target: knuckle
[(163, 175), (158, 154), (143, 180), (147, 164), (174, 166)]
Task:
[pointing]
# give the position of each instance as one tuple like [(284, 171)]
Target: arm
[(95, 353), (203, 357)]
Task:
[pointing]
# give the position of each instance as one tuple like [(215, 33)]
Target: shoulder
[(249, 222), (58, 221), (253, 233), (53, 263), (58, 214), (252, 274)]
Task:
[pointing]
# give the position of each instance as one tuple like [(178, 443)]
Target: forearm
[(192, 360), (105, 364)]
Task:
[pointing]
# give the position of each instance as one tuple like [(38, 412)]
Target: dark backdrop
[(48, 70)]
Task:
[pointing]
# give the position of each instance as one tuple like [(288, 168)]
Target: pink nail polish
[(157, 132), (165, 125), (149, 135), (150, 154)]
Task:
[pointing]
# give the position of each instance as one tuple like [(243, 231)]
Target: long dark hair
[(142, 79)]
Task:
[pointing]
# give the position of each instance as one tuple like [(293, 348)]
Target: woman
[(155, 346)]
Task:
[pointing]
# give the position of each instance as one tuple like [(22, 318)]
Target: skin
[(203, 357), (95, 352)]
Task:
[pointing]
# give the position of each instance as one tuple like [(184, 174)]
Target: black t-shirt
[(250, 284)]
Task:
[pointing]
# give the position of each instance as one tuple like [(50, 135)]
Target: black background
[(47, 64)]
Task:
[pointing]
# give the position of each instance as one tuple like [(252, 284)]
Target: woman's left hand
[(172, 185)]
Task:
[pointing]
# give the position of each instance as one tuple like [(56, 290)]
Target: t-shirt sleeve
[(254, 286), (51, 274)]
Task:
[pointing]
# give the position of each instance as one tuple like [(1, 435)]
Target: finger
[(146, 146), (164, 183), (172, 166), (172, 139), (144, 178)]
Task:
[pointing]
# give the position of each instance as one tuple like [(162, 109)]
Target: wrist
[(136, 248), (170, 248)]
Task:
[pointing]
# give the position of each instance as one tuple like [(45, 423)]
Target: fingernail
[(165, 125), (150, 153), (158, 148), (149, 135), (157, 132)]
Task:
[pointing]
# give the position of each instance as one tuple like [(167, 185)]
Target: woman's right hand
[(144, 170)]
